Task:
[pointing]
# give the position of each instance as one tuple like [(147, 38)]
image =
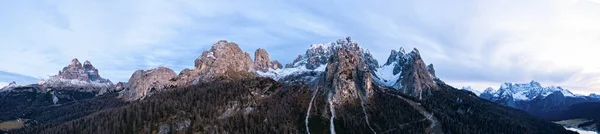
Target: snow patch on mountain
[(8, 87), (386, 76), (277, 74)]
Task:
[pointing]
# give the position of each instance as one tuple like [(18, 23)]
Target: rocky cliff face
[(262, 61), (145, 82), (416, 80), (223, 59), (77, 76), (348, 75)]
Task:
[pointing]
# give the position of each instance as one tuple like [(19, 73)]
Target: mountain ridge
[(333, 88)]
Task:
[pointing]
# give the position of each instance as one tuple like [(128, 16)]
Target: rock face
[(276, 65), (73, 71), (78, 76), (262, 61), (223, 59), (347, 74), (145, 82), (416, 79), (407, 73), (431, 70)]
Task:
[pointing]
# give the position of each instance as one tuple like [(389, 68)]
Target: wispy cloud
[(471, 42)]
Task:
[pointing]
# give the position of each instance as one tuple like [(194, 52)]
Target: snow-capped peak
[(526, 91), (314, 60), (8, 87), (468, 88)]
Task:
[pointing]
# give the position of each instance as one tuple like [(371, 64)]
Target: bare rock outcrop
[(416, 79), (276, 65), (262, 60), (347, 74), (431, 70), (224, 59), (145, 82)]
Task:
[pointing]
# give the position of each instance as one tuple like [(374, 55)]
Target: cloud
[(470, 42)]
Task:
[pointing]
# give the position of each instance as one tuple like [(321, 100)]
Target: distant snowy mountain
[(524, 92), (471, 90), (534, 98), (8, 77)]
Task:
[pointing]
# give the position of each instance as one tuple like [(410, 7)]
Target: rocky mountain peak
[(347, 75), (262, 61), (319, 54), (75, 63), (222, 58), (9, 87), (73, 71), (416, 79), (78, 76), (407, 73)]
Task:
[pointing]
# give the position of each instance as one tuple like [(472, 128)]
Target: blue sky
[(470, 42)]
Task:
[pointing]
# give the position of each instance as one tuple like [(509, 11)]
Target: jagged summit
[(318, 54), (78, 76), (347, 75), (307, 67), (407, 73)]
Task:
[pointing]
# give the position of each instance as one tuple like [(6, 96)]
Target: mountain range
[(551, 103), (333, 87), (534, 98)]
